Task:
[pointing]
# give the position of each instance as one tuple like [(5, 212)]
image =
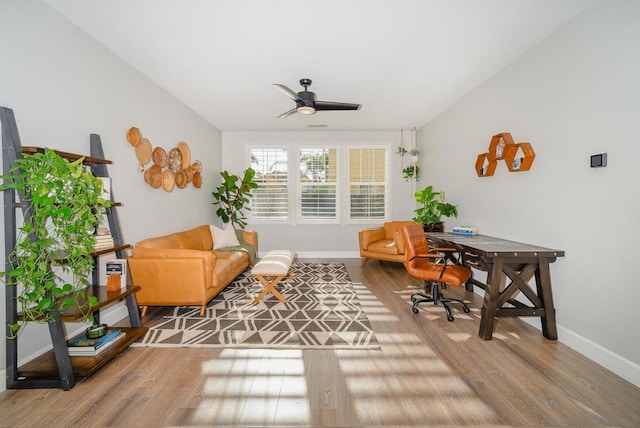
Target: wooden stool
[(270, 270)]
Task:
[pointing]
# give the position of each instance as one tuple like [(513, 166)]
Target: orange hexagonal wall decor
[(519, 157), (485, 165), (499, 144)]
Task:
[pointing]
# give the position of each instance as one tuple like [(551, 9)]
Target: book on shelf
[(83, 346), (465, 230), (116, 268), (103, 241)]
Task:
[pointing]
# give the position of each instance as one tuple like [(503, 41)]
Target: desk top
[(488, 246)]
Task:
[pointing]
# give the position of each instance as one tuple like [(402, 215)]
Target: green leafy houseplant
[(62, 204), (232, 195), (432, 207), (411, 172)]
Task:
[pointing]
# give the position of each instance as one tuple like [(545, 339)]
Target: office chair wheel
[(450, 318), (466, 309), (415, 310)]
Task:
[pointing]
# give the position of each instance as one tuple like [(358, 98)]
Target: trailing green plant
[(233, 195), (62, 204), (432, 206), (411, 172)]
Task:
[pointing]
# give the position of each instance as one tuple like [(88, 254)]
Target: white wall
[(320, 240), (574, 95), (62, 85)]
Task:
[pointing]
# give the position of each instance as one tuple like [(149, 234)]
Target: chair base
[(436, 298)]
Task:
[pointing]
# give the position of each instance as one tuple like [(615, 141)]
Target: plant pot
[(434, 227)]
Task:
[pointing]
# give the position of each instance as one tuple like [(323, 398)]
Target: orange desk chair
[(432, 268)]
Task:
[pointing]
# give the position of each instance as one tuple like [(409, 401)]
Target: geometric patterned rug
[(323, 312)]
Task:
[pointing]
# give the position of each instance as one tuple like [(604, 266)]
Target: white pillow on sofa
[(223, 238)]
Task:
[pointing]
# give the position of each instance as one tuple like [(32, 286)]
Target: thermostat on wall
[(598, 160)]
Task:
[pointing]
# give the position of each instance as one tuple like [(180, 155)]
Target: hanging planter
[(412, 172)]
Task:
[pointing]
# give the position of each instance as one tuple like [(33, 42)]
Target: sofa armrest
[(368, 236), (251, 237), (166, 274)]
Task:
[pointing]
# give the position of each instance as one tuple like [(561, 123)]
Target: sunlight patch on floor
[(248, 387), (407, 372)]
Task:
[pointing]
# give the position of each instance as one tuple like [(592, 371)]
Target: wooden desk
[(503, 259)]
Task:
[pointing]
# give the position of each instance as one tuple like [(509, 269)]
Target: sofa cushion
[(223, 238), (195, 239), (384, 247)]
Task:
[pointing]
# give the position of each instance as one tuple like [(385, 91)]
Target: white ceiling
[(405, 61)]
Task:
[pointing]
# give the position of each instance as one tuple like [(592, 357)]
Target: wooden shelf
[(55, 368), (45, 365), (88, 160)]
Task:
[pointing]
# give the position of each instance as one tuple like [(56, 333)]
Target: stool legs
[(270, 287)]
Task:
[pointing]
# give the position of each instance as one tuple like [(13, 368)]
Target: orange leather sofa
[(182, 269), (383, 243)]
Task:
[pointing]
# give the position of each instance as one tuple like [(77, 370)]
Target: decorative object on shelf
[(232, 196), (412, 171), (170, 169), (432, 207), (517, 156), (64, 206)]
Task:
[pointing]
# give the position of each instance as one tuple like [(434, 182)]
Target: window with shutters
[(367, 183), (318, 187), (320, 175), (270, 201)]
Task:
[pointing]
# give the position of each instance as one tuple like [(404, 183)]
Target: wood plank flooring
[(428, 372)]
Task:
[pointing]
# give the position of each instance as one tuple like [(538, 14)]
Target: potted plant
[(432, 208), (411, 172), (232, 195), (62, 204)]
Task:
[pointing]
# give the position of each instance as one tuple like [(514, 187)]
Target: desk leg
[(490, 305), (543, 284)]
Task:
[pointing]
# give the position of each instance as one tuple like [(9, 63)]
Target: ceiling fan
[(306, 101)]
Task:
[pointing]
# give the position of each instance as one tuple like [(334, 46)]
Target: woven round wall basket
[(159, 157), (197, 180), (181, 179), (168, 180), (134, 136), (185, 152), (143, 151), (155, 176)]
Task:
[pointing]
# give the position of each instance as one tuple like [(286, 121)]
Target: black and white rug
[(323, 312)]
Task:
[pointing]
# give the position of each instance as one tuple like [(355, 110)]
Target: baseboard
[(110, 315), (328, 254), (619, 365)]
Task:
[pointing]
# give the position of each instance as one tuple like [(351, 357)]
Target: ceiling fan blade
[(330, 105), (287, 113), (288, 92)]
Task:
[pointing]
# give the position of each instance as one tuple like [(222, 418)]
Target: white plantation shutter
[(270, 200), (318, 190), (367, 183)]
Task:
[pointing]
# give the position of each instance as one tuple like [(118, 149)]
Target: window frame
[(343, 192)]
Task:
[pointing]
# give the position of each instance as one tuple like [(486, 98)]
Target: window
[(312, 194), (318, 190), (367, 183), (270, 201)]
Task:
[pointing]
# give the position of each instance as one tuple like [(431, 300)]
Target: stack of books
[(85, 347), (465, 230), (103, 241)]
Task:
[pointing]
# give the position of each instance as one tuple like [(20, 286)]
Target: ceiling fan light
[(306, 110)]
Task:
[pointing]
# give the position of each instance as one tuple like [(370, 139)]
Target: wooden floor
[(428, 372)]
